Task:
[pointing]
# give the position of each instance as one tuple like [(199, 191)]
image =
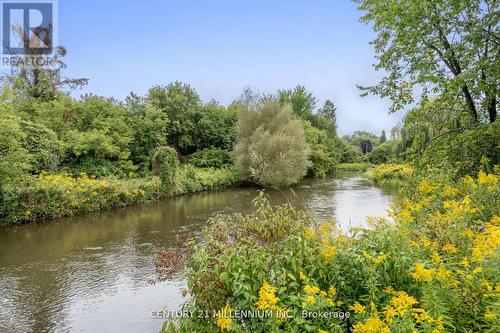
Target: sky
[(220, 47)]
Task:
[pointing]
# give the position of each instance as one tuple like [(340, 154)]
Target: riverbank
[(48, 196), (433, 269)]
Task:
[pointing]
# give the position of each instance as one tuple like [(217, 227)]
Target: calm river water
[(91, 273)]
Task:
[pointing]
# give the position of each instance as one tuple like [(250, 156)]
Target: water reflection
[(90, 274)]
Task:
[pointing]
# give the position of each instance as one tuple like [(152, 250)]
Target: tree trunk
[(470, 103)]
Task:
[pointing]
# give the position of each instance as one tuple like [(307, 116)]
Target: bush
[(191, 179), (43, 145), (391, 173), (352, 167), (165, 164), (211, 158), (434, 269), (384, 153), (271, 148)]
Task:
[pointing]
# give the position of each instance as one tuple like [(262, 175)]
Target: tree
[(383, 138), (324, 153), (271, 149), (302, 101), (149, 127), (165, 164), (443, 47), (181, 104), (329, 111)]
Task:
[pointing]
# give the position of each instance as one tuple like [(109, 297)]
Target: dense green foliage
[(442, 47), (211, 158), (385, 152)]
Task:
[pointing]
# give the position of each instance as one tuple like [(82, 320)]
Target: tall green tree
[(439, 47), (383, 138), (181, 104), (329, 111), (301, 100)]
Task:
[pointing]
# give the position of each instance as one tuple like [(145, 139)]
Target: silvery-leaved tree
[(437, 47)]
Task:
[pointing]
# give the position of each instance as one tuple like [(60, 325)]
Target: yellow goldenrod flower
[(379, 259), (328, 252), (489, 315), (332, 291), (302, 276), (224, 318), (311, 289), (421, 273), (402, 302), (371, 325), (310, 300), (267, 297), (357, 307), (477, 270), (449, 248)]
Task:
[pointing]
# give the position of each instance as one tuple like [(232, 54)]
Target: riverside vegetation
[(434, 266)]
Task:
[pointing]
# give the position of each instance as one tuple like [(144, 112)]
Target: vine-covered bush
[(165, 164), (435, 268)]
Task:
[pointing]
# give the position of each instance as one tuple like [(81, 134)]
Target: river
[(91, 273)]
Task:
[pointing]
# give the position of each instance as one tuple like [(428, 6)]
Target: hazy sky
[(220, 47)]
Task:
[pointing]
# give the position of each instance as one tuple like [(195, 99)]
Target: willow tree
[(437, 47), (271, 148)]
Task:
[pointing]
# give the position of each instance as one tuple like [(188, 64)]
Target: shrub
[(352, 167), (43, 145), (433, 269), (384, 153), (391, 173), (165, 164), (271, 148), (191, 179), (211, 158)]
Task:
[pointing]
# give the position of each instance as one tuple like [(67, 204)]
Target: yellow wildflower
[(389, 290), (421, 273), (425, 186), (224, 318), (302, 276), (449, 248), (436, 258), (402, 302), (330, 302), (477, 270), (489, 315), (311, 290), (328, 252), (357, 307), (442, 273), (389, 313), (332, 291), (371, 325), (322, 293), (310, 300), (379, 259), (309, 233), (449, 191), (464, 262), (267, 297)]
